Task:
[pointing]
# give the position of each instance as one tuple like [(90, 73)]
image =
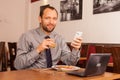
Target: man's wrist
[(38, 50)]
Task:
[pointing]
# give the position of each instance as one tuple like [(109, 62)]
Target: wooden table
[(47, 74)]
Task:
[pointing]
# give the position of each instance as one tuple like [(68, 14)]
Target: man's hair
[(42, 9)]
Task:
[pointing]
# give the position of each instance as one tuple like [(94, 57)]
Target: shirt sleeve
[(26, 54)]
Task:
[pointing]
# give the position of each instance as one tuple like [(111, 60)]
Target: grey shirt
[(27, 56)]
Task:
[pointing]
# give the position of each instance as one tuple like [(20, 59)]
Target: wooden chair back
[(3, 57), (91, 49), (12, 46), (116, 59), (104, 49), (99, 48), (84, 50)]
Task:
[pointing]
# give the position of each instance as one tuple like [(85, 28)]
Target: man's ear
[(39, 19)]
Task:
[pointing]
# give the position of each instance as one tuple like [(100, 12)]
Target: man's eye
[(47, 18), (55, 18)]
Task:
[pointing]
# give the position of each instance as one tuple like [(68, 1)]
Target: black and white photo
[(70, 10), (104, 6)]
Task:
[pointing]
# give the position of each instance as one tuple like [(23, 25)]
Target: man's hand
[(47, 43), (76, 43)]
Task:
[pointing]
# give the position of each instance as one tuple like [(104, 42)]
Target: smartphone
[(78, 34)]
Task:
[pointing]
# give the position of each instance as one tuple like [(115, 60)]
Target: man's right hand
[(46, 43)]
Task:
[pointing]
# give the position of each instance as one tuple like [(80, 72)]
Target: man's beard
[(46, 29)]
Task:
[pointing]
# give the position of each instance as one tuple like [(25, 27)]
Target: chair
[(83, 53), (12, 46), (99, 48), (116, 59), (3, 57), (91, 49), (0, 56), (104, 49), (84, 50), (108, 50)]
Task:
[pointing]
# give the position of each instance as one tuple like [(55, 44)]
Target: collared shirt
[(27, 56)]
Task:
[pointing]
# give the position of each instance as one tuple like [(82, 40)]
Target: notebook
[(96, 65)]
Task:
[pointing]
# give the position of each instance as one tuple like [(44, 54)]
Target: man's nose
[(52, 21)]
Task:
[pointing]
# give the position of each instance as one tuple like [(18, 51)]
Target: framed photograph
[(104, 6), (70, 10)]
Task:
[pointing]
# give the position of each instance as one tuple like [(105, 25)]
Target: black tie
[(48, 56)]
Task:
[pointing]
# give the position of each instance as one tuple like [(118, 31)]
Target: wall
[(13, 19)]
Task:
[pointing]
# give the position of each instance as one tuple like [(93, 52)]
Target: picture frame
[(70, 10), (34, 1), (105, 6)]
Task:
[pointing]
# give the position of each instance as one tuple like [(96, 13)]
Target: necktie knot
[(46, 37)]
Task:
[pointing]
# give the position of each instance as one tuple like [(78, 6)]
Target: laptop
[(96, 65)]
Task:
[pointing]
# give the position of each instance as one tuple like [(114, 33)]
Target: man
[(32, 44)]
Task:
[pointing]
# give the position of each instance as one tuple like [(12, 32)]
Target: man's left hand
[(76, 43)]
